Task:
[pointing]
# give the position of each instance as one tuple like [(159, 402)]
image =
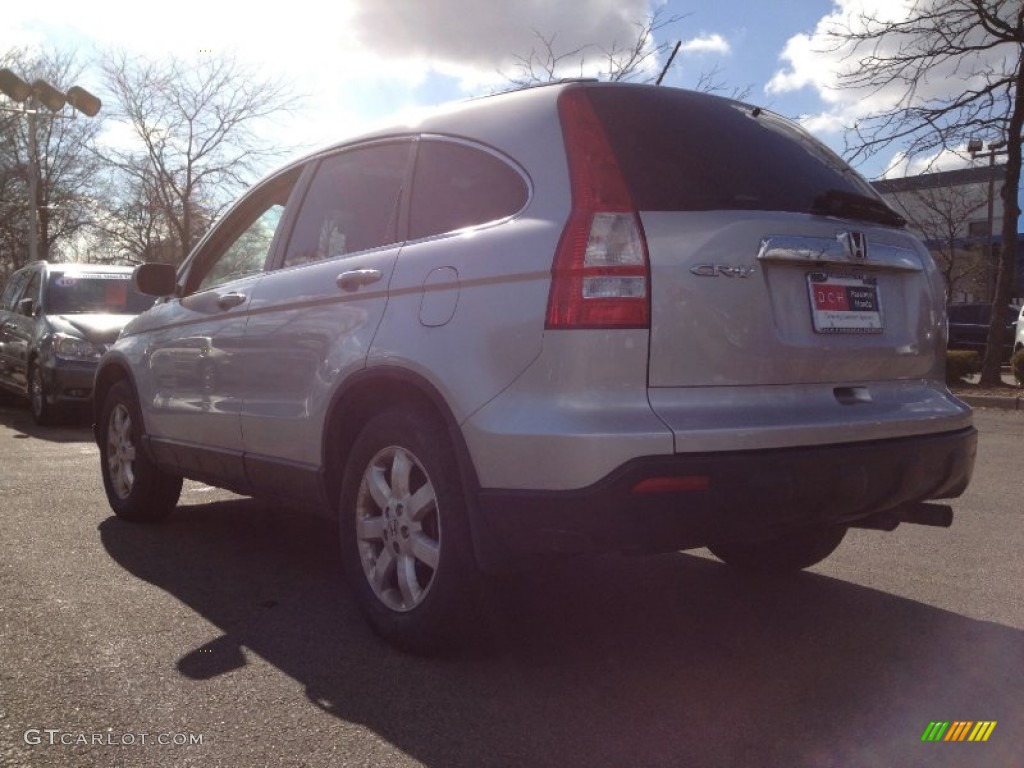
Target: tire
[(798, 549), (137, 489), (405, 541), (43, 414)]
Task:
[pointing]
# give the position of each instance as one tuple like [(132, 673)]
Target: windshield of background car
[(96, 292), (686, 151)]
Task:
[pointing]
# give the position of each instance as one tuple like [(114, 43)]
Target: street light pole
[(31, 99), (974, 147), (33, 185)]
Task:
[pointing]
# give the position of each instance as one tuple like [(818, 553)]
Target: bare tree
[(66, 167), (621, 62), (942, 215), (132, 227), (633, 61), (195, 146), (979, 45)]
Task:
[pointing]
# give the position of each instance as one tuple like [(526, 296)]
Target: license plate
[(844, 303)]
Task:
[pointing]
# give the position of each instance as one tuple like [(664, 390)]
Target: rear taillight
[(600, 276)]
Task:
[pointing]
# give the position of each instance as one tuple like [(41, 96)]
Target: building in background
[(950, 212)]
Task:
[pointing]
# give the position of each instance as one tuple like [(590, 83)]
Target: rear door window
[(458, 186)]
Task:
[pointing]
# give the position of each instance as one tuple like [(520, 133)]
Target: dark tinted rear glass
[(686, 151)]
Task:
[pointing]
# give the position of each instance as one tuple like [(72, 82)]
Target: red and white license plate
[(844, 303)]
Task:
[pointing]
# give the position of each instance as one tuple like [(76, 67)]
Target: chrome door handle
[(229, 300), (357, 278)]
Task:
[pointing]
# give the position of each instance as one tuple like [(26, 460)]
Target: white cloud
[(706, 44), (818, 60), (487, 35), (358, 61), (943, 160)]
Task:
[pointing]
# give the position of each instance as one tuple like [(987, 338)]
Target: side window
[(247, 254), (32, 289), (351, 205), (13, 289), (457, 186), (240, 245)]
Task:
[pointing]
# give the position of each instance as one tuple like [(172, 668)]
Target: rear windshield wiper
[(838, 202)]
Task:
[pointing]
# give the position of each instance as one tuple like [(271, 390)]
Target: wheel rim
[(398, 530), (120, 451), (36, 392)]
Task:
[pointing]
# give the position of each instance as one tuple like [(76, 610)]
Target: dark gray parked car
[(573, 318), (55, 322), (968, 327)]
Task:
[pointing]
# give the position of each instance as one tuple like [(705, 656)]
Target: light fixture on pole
[(31, 97)]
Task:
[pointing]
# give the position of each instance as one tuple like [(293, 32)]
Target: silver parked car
[(574, 318)]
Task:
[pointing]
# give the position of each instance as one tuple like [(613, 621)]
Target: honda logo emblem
[(855, 243)]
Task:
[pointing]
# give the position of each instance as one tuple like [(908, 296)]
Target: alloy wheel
[(121, 451), (397, 529)]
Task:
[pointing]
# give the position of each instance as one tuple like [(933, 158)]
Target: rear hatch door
[(772, 262)]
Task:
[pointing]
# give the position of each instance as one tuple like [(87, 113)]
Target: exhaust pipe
[(938, 515), (920, 513)]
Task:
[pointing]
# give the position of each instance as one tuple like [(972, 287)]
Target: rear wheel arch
[(372, 392)]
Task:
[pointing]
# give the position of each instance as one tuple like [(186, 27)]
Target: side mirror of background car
[(27, 307), (156, 279)]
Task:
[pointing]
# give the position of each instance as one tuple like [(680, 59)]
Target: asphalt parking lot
[(229, 625)]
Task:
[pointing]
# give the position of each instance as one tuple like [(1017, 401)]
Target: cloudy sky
[(359, 62)]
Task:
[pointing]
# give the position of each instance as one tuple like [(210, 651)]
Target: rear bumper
[(745, 494)]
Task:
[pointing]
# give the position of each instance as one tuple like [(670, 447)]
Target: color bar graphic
[(958, 730)]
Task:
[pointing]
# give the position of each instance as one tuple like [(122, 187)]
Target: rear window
[(686, 151), (103, 293)]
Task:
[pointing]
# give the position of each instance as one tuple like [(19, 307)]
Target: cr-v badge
[(716, 270)]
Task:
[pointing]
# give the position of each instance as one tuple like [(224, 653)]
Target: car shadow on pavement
[(77, 428), (669, 660)]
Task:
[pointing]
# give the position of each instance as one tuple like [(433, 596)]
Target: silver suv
[(574, 318)]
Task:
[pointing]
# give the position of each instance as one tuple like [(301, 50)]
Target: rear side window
[(685, 151), (458, 186)]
